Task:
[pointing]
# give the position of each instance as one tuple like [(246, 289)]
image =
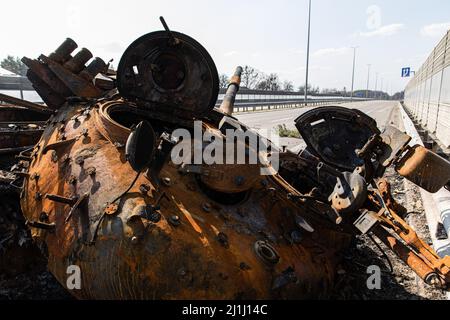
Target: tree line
[(254, 79), (14, 65)]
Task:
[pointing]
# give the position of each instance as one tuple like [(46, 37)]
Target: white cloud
[(331, 51), (231, 53), (435, 30), (383, 31)]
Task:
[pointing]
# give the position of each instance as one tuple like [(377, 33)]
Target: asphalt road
[(268, 120)]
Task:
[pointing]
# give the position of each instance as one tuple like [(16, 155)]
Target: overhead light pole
[(381, 88), (368, 80), (307, 53), (376, 83), (353, 72)]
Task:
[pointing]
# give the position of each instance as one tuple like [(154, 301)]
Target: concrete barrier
[(436, 205)]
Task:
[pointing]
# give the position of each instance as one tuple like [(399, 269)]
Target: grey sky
[(269, 35)]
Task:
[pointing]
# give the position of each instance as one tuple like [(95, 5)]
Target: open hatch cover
[(334, 134)]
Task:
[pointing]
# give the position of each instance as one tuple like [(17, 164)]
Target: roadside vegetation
[(282, 131)]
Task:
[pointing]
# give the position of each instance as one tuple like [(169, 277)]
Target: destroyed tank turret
[(118, 184)]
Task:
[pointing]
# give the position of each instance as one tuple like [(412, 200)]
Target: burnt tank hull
[(194, 245)]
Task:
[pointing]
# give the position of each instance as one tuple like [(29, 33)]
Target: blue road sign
[(406, 72)]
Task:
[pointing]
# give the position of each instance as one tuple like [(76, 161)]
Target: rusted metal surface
[(17, 134), (142, 227), (26, 104), (228, 100), (425, 168), (336, 133), (61, 75), (124, 255), (172, 79), (404, 241)]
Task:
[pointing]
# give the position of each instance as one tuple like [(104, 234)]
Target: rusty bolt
[(182, 272), (174, 220), (134, 240), (43, 217), (91, 171), (223, 239), (206, 206), (144, 188), (111, 209), (166, 181), (38, 196), (54, 156), (244, 266), (296, 236), (35, 176), (79, 160), (266, 252), (72, 179), (66, 158), (272, 191)]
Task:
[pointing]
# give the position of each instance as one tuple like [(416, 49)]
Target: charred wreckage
[(92, 170)]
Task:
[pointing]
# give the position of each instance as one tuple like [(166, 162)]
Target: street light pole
[(353, 72), (376, 83), (368, 78), (307, 53), (381, 88)]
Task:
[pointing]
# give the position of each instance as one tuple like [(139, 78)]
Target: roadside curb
[(437, 205)]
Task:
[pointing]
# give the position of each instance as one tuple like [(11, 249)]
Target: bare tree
[(288, 86), (223, 81), (273, 82), (250, 77), (14, 65), (262, 85), (301, 89)]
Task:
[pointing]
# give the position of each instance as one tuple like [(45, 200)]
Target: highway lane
[(268, 120)]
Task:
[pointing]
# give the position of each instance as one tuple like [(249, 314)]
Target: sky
[(266, 34)]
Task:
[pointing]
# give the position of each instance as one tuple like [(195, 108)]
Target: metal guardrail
[(15, 83), (427, 95), (289, 104), (247, 100)]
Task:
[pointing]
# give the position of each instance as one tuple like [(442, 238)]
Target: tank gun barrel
[(233, 87)]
